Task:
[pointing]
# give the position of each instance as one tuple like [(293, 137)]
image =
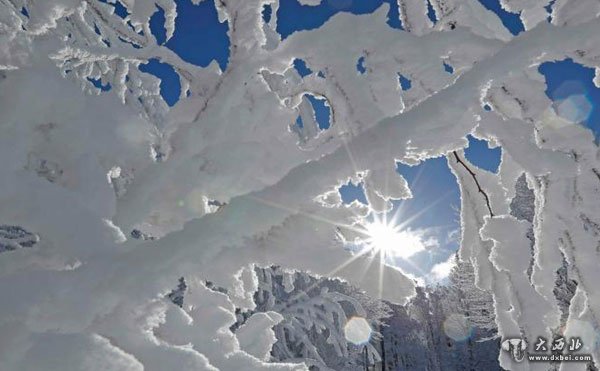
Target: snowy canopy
[(109, 195)]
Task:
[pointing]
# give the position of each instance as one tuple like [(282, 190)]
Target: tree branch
[(487, 199)]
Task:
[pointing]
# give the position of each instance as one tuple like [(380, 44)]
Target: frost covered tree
[(109, 194), (443, 327), (315, 312)]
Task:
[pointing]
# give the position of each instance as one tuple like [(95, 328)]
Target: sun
[(391, 240)]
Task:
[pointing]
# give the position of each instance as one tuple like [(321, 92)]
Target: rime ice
[(87, 265)]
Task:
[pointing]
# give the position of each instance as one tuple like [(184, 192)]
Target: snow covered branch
[(109, 195)]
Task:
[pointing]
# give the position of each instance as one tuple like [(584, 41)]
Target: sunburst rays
[(381, 239)]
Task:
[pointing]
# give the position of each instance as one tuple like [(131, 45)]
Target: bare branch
[(487, 199)]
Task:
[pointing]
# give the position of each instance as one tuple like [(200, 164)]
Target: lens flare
[(357, 331), (575, 108), (458, 327)]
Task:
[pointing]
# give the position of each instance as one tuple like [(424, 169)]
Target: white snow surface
[(88, 296)]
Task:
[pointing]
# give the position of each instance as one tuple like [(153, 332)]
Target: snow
[(222, 182), (86, 352), (256, 336)]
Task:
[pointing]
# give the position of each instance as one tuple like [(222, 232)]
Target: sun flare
[(392, 241)]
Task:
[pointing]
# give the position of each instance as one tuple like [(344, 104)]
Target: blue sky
[(435, 203), (292, 17), (200, 39)]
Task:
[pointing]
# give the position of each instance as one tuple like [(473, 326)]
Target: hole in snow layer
[(322, 111), (157, 25), (431, 12), (120, 9), (481, 155), (98, 83), (404, 82), (448, 68), (292, 16), (510, 20), (170, 86), (360, 65), (301, 67), (267, 13), (199, 37), (351, 192)]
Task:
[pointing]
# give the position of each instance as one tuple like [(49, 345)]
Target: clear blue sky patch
[(448, 68), (479, 154), (199, 36), (301, 68), (322, 111), (120, 9), (431, 12), (435, 208), (360, 65), (405, 83), (510, 20), (97, 83), (267, 12), (351, 192), (157, 25), (436, 196), (170, 86), (292, 16)]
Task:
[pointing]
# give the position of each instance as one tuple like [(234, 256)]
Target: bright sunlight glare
[(392, 241)]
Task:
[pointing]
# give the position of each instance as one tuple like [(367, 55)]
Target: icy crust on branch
[(450, 14), (269, 95), (527, 252), (220, 181)]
